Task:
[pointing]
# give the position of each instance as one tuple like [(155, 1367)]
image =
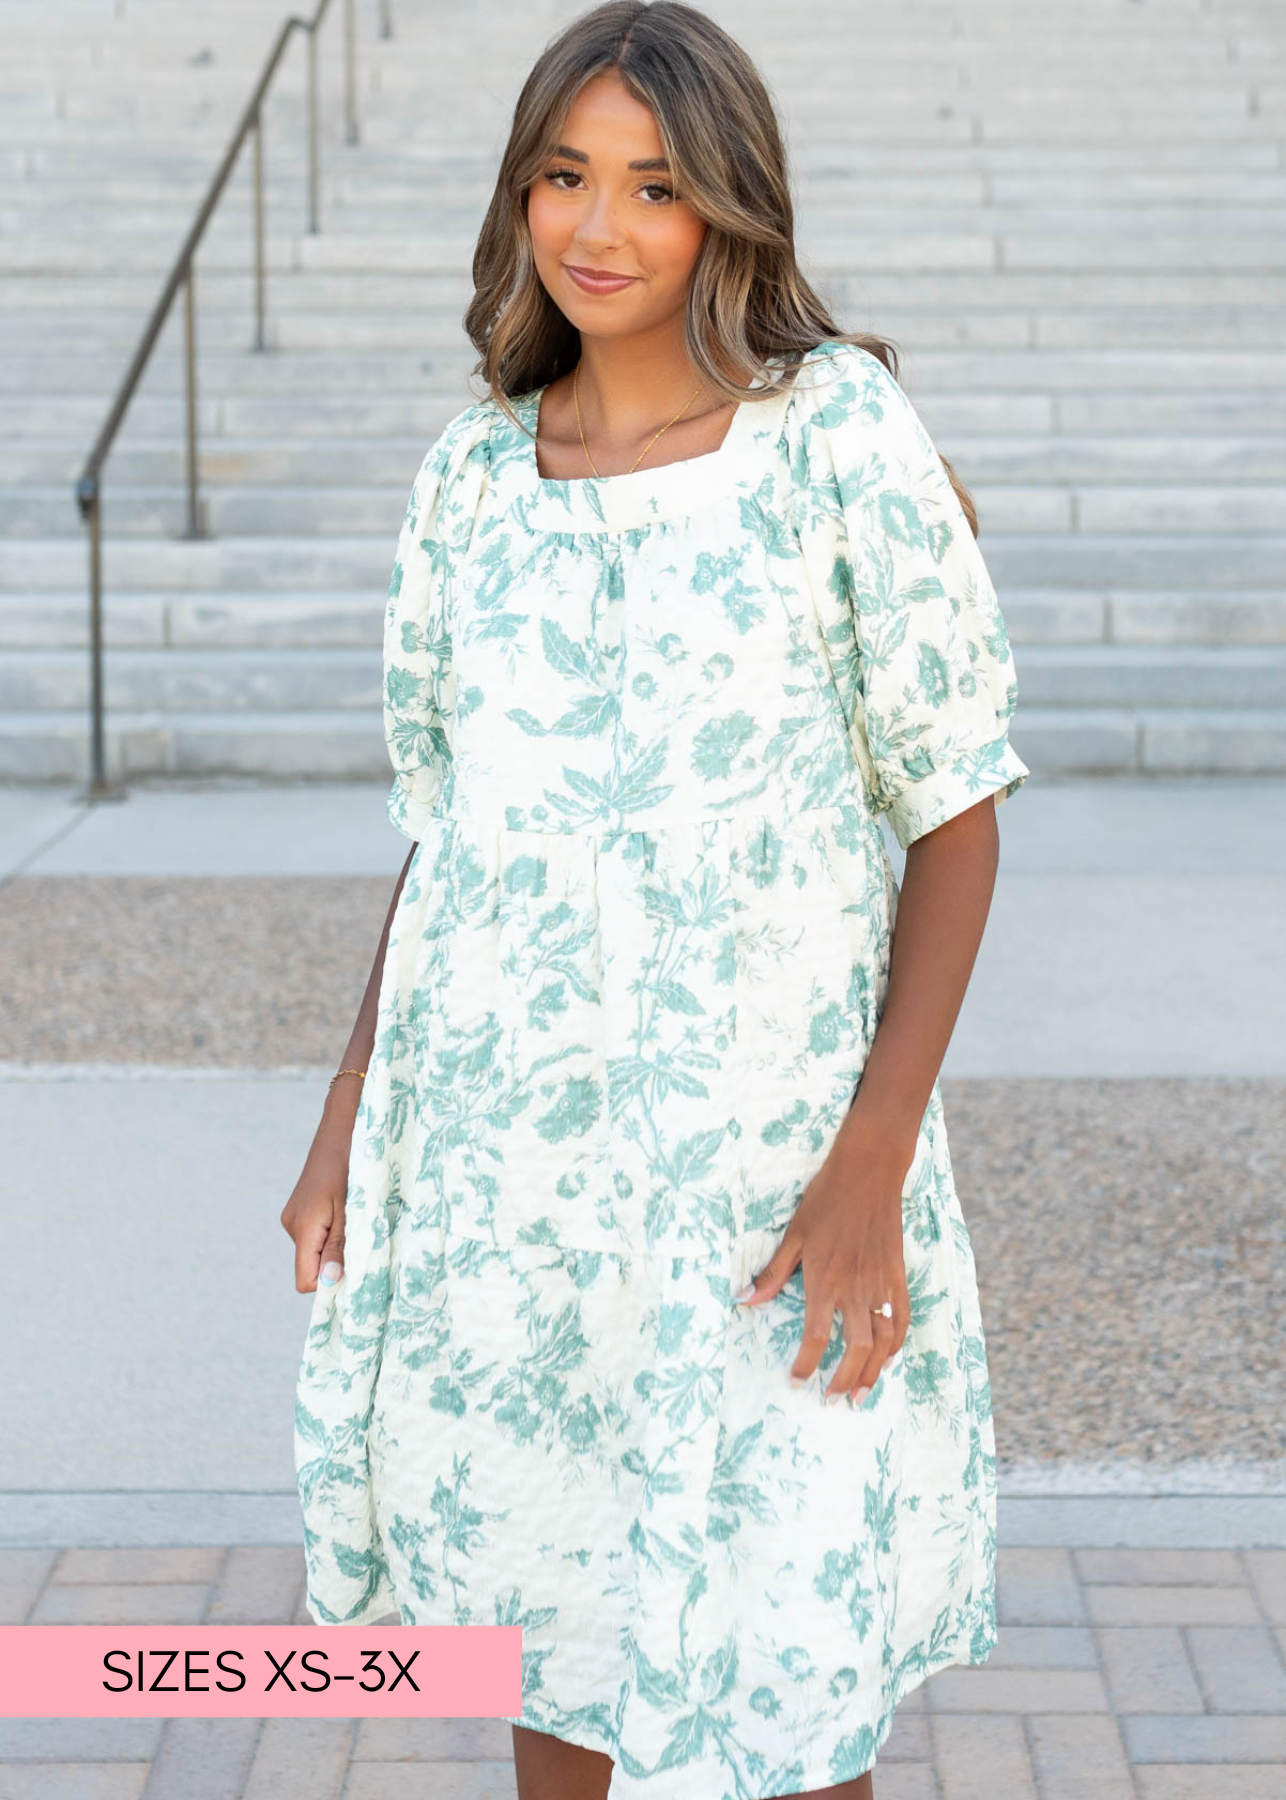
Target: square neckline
[(641, 498), (549, 482)]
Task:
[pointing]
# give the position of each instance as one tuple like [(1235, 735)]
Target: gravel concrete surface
[(221, 971), (1131, 1251)]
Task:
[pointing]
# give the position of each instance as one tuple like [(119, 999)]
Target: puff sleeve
[(931, 684), (419, 665)]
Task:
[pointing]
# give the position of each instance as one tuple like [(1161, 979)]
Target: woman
[(636, 1163)]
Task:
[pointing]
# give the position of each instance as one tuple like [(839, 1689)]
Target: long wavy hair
[(748, 303)]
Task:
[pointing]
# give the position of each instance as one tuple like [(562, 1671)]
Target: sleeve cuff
[(955, 786)]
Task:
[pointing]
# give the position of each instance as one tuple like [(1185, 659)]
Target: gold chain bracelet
[(335, 1077)]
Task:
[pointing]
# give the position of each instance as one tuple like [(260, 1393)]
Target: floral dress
[(644, 728)]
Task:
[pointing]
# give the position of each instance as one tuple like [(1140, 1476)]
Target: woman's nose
[(598, 224)]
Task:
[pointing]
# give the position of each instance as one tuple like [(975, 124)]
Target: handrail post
[(261, 342), (350, 72), (313, 181), (98, 761), (189, 341)]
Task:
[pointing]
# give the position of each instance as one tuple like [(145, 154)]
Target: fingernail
[(745, 1293), (860, 1395), (331, 1273), (799, 1381), (835, 1398)]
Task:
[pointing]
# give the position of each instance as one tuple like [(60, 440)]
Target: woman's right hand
[(314, 1214)]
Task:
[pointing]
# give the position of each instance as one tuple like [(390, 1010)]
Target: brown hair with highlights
[(749, 304)]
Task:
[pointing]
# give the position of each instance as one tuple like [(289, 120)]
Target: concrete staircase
[(1070, 218)]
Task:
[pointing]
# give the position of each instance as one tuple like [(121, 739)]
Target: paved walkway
[(1120, 1674)]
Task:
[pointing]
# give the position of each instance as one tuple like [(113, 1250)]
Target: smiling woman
[(656, 1327), (604, 230)]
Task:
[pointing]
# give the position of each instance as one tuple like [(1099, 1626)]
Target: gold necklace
[(643, 452)]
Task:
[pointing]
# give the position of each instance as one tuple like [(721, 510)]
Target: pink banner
[(260, 1671)]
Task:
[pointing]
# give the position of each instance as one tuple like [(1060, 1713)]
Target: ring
[(885, 1311)]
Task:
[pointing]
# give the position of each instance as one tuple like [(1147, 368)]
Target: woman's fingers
[(774, 1275), (319, 1247), (900, 1323), (870, 1339), (331, 1261), (858, 1349), (878, 1354), (819, 1318), (818, 1310)]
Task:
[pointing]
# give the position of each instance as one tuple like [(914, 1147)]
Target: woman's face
[(589, 209)]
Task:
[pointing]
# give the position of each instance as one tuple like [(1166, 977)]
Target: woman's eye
[(557, 176)]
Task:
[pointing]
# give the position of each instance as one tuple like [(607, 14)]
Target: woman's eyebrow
[(643, 162)]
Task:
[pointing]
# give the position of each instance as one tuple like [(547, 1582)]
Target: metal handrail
[(88, 490)]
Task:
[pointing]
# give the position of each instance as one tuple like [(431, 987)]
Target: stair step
[(1079, 560), (354, 619), (208, 680), (908, 247), (266, 509), (214, 677), (413, 414), (282, 563), (1122, 617), (876, 295), (42, 565), (219, 621), (1090, 742), (959, 205), (958, 178), (1098, 462), (444, 369), (1154, 676), (320, 462), (817, 157), (361, 414), (245, 370), (332, 745), (294, 329), (269, 507)]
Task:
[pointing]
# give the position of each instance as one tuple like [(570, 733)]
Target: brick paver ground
[(1119, 1675)]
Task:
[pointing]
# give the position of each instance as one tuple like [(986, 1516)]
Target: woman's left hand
[(847, 1232)]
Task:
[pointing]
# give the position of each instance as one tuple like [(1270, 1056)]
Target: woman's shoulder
[(461, 435), (852, 421), (840, 381), (441, 488), (461, 443)]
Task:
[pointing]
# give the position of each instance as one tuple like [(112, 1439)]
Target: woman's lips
[(598, 284)]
